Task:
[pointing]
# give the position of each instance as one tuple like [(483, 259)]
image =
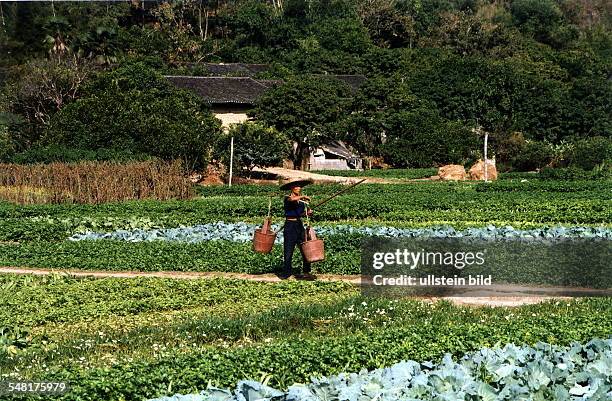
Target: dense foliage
[(135, 108), (534, 74), (255, 145), (59, 153), (306, 109)]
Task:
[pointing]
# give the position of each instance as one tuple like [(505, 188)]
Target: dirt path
[(321, 178), (488, 300), (169, 274)]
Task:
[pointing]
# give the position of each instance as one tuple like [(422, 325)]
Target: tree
[(421, 138), (588, 108), (387, 26), (99, 45), (251, 23), (184, 45), (254, 145), (346, 35), (13, 134), (135, 108), (544, 20), (7, 147), (374, 104), (316, 59), (591, 152), (40, 89), (537, 14), (58, 30), (501, 96), (305, 108), (467, 34)]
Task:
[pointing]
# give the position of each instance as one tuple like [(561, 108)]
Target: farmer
[(293, 231)]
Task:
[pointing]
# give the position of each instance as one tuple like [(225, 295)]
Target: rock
[(477, 170), (454, 172)]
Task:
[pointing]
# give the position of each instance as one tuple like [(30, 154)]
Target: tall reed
[(93, 182)]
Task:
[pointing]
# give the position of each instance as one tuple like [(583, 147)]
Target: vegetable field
[(151, 337), (148, 338)]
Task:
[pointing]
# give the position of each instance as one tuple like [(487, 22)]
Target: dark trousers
[(293, 235)]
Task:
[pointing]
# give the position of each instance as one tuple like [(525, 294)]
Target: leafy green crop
[(541, 372), (31, 301), (343, 256), (295, 358)]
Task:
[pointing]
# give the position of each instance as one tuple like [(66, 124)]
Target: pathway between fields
[(489, 300), (328, 179)]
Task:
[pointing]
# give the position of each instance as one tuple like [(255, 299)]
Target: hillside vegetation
[(535, 74)]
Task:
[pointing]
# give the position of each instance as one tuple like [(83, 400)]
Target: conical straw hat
[(294, 182)]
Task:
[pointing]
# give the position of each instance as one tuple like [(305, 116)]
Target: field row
[(243, 232), (417, 205), (518, 263)]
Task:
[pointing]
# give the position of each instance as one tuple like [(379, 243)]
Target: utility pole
[(486, 141), (231, 160)]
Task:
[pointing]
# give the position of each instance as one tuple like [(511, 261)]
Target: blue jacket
[(294, 208)]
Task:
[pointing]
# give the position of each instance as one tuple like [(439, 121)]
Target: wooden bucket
[(312, 247), (263, 239)]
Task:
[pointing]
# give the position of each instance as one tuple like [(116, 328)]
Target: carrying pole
[(338, 193)]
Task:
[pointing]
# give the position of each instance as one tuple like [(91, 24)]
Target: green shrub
[(423, 139), (537, 17), (517, 175), (590, 152), (254, 145), (7, 149), (533, 155), (573, 173), (136, 109)]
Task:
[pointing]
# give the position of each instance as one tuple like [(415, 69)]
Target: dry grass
[(93, 182), (24, 194)]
